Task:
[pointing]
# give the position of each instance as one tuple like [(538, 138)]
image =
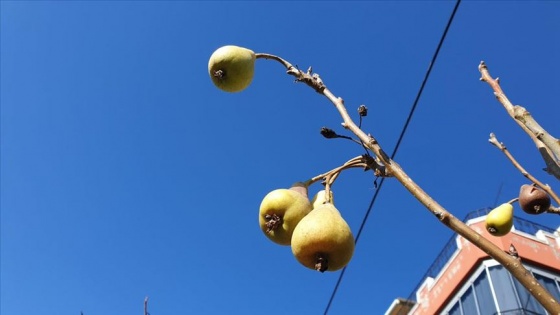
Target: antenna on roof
[(498, 195)]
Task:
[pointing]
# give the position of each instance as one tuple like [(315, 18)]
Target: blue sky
[(125, 173)]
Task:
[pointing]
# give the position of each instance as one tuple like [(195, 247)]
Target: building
[(463, 280)]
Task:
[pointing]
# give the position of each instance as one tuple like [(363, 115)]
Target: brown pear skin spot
[(273, 221)]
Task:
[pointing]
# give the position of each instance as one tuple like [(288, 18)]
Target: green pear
[(323, 240), (500, 220), (231, 68), (281, 210)]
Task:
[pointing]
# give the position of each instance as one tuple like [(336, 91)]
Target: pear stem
[(328, 183), (553, 210), (330, 176), (358, 161), (513, 200), (510, 263), (301, 187), (273, 57)]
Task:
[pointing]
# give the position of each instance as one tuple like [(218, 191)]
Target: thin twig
[(548, 146), (362, 161), (509, 262), (500, 145), (553, 209), (331, 134)]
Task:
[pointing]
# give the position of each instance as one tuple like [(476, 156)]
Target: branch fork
[(548, 146)]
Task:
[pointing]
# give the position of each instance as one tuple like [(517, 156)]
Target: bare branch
[(364, 161), (493, 140), (548, 146), (553, 210)]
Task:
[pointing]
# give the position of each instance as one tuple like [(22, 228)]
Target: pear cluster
[(319, 236)]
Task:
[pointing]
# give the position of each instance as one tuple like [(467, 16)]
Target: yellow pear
[(281, 210), (323, 240), (500, 220), (320, 198), (231, 68)]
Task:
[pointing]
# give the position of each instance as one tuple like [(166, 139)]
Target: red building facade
[(465, 280)]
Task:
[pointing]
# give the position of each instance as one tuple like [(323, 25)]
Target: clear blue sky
[(125, 173)]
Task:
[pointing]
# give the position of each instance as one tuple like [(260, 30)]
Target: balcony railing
[(519, 311)]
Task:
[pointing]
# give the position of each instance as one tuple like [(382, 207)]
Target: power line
[(403, 131)]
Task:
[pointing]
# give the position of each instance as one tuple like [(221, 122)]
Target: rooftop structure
[(465, 280)]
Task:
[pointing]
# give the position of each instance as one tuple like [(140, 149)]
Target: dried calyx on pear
[(281, 210), (533, 200)]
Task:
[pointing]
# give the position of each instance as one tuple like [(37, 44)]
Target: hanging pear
[(533, 200), (231, 68), (323, 240), (281, 210), (500, 220)]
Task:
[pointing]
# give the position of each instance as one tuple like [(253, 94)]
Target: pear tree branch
[(552, 209), (331, 134), (330, 176), (493, 140), (363, 161), (509, 262), (548, 146)]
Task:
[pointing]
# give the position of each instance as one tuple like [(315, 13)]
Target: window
[(456, 309), (486, 304), (468, 302), (492, 290), (549, 284), (528, 302), (475, 299), (503, 288), (516, 297)]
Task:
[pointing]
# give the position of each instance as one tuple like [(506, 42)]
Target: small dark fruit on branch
[(328, 133), (533, 200), (362, 110)]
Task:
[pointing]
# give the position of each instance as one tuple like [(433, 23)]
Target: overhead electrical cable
[(403, 131)]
